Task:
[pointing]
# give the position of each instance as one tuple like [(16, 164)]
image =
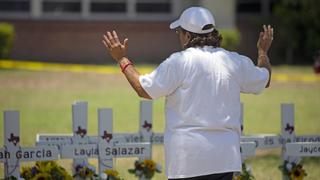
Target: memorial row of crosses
[(108, 145), (78, 146)]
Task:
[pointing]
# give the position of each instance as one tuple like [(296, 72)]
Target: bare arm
[(263, 45), (132, 76), (118, 52)]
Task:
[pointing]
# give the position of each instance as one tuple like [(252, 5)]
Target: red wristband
[(124, 67)]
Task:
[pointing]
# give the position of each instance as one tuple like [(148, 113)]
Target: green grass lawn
[(44, 100)]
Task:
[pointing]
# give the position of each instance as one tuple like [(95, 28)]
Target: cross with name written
[(105, 149), (266, 141), (12, 154), (292, 151), (293, 147), (87, 145)]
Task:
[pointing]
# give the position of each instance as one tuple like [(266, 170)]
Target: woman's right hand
[(265, 40), (116, 49)]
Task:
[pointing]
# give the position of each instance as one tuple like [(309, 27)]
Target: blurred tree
[(230, 38), (299, 29), (6, 39)]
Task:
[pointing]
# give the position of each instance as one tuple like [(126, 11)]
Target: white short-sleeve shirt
[(202, 89)]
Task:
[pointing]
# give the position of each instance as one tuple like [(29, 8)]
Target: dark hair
[(213, 38)]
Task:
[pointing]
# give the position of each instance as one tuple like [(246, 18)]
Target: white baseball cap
[(194, 19)]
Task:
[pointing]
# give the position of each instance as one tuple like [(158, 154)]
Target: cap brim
[(175, 24)]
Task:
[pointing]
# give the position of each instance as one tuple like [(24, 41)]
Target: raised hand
[(115, 48), (265, 39)]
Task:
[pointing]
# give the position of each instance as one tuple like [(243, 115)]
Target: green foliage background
[(298, 29), (230, 38), (6, 39)]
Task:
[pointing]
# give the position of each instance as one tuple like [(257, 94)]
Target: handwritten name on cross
[(293, 151), (266, 141), (12, 154), (105, 149)]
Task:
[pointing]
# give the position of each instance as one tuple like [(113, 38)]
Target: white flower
[(84, 163), (92, 168), (159, 167), (139, 173), (297, 160), (103, 176), (140, 161), (294, 159), (249, 168), (289, 166)]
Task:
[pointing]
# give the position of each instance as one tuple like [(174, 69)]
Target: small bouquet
[(45, 170), (85, 171), (110, 174), (246, 173), (146, 168), (293, 170)]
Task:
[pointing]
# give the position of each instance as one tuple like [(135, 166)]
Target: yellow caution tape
[(306, 78), (108, 69), (43, 66)]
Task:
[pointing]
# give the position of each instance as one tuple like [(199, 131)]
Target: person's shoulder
[(235, 56), (191, 52), (176, 57), (232, 54)]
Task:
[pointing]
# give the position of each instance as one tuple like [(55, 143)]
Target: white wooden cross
[(105, 149), (266, 141), (287, 126), (12, 154), (79, 137), (292, 151), (304, 145), (80, 129)]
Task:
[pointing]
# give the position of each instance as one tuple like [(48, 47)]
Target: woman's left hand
[(115, 48)]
